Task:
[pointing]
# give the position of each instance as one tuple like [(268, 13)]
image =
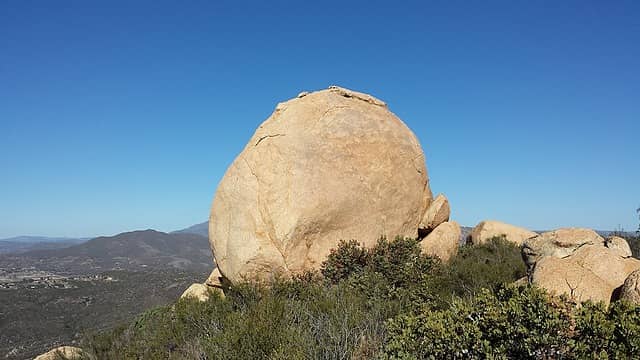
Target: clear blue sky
[(122, 115)]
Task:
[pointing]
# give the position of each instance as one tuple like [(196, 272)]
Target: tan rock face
[(443, 241), (631, 288), (437, 213), (486, 230), (330, 165), (579, 263), (63, 352), (200, 292)]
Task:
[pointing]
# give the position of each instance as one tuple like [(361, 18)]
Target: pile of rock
[(581, 264), (440, 237)]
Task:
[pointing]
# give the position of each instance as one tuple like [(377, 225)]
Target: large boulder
[(329, 165), (579, 263), (488, 229), (631, 288), (443, 241), (437, 213), (63, 352)]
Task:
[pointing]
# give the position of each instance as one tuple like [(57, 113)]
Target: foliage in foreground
[(388, 302)]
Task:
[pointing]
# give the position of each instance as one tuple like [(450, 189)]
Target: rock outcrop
[(326, 166), (63, 352), (437, 213), (443, 241), (630, 290), (488, 229), (579, 263)]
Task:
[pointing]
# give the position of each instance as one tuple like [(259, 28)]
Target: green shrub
[(607, 333), (514, 322), (347, 259), (435, 335), (477, 267), (395, 272)]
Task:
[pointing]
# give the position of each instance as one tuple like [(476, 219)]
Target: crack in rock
[(267, 136)]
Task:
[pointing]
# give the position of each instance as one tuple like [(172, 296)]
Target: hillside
[(48, 296), (35, 317)]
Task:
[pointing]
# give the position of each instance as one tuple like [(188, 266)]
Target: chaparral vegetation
[(387, 302)]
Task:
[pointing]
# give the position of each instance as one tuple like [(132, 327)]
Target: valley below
[(49, 297)]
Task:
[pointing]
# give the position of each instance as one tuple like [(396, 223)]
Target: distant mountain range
[(198, 229), (136, 250), (22, 244)]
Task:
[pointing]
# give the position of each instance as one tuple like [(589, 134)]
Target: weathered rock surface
[(443, 241), (63, 352), (558, 243), (630, 290), (579, 263), (330, 165), (200, 292), (488, 229), (437, 213)]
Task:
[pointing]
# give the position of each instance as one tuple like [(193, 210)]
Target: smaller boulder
[(488, 229), (200, 292), (579, 263), (437, 213), (63, 352), (619, 245), (630, 290), (443, 241), (215, 279), (217, 282)]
